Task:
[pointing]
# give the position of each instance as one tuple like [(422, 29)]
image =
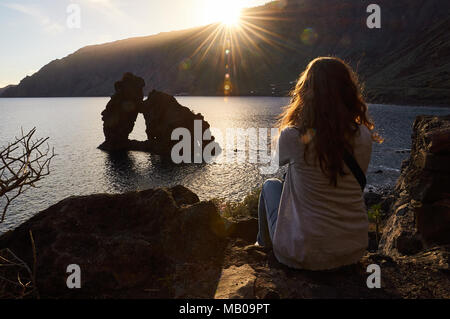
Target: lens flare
[(309, 36), (227, 88), (307, 138), (185, 64)]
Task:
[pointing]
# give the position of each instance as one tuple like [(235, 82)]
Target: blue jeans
[(269, 202)]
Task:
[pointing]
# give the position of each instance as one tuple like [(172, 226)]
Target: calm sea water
[(75, 129)]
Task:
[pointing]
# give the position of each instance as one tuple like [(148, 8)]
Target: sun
[(231, 15), (226, 12)]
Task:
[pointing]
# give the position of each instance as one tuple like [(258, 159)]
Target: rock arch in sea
[(162, 114)]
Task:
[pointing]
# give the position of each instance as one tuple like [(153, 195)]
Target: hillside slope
[(406, 61)]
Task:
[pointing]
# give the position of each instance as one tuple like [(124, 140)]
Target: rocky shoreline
[(166, 243)]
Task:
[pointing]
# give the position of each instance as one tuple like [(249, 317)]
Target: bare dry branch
[(23, 163), (12, 267), (17, 279)]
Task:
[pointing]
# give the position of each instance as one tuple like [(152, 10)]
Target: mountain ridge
[(406, 61)]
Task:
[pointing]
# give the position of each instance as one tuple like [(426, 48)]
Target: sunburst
[(234, 31), (227, 13)]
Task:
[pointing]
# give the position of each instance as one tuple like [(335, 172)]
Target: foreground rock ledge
[(165, 243)]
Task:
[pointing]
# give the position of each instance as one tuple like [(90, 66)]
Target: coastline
[(374, 102), (128, 173)]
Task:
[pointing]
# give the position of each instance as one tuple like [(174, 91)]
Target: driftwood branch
[(23, 163)]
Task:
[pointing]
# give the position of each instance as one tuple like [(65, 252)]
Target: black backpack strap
[(353, 165)]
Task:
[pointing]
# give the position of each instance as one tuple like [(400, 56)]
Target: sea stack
[(162, 112)]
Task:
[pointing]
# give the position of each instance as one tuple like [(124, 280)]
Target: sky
[(35, 32)]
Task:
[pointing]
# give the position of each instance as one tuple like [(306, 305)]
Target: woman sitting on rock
[(317, 218)]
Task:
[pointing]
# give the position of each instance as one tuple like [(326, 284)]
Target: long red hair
[(327, 107)]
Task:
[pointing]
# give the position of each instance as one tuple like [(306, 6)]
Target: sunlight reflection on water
[(75, 129)]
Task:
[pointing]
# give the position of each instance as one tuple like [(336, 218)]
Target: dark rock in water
[(379, 172), (121, 111), (162, 113), (420, 214)]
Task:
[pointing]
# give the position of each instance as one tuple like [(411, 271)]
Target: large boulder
[(154, 243), (421, 211)]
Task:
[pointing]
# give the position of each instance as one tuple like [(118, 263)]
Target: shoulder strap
[(354, 167), (356, 170)]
